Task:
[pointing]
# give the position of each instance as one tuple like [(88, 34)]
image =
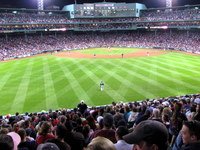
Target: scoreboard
[(106, 10)]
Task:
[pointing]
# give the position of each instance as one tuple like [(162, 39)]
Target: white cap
[(99, 118), (197, 101), (165, 103)]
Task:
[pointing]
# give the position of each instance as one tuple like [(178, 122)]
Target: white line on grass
[(20, 97), (51, 99), (189, 86), (109, 91), (6, 76), (130, 85), (73, 83), (155, 73)]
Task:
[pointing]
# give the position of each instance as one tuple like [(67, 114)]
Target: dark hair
[(194, 128), (161, 146), (121, 131), (22, 133), (45, 128), (108, 120), (61, 131), (121, 122), (69, 126), (6, 142)]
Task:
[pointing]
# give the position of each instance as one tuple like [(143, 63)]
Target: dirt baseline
[(141, 53)]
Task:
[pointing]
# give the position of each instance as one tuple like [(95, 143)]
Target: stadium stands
[(28, 33), (170, 111), (146, 15), (31, 20), (31, 44)]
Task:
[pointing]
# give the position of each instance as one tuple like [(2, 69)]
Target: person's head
[(22, 134), (190, 131), (45, 128), (156, 113), (15, 127), (177, 107), (101, 143), (4, 130), (27, 123), (69, 126), (60, 131), (165, 118), (198, 108), (149, 134), (48, 146), (6, 142), (86, 130), (62, 119), (120, 132), (108, 120)]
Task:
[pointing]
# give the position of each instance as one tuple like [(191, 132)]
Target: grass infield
[(44, 82)]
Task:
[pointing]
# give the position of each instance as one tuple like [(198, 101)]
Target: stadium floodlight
[(168, 3), (40, 4)]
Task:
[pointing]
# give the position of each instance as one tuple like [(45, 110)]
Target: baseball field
[(61, 80)]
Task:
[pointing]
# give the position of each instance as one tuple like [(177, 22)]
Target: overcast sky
[(33, 3)]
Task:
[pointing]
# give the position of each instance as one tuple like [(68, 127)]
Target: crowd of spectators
[(31, 18), (160, 15), (146, 15), (153, 15), (12, 46), (162, 123), (157, 124), (185, 17), (100, 26)]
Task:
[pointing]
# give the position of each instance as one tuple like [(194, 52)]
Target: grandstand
[(51, 60)]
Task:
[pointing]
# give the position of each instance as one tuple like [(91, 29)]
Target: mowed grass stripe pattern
[(48, 82), (50, 94), (21, 92)]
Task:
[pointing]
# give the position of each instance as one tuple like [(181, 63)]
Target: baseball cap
[(150, 131), (48, 146), (197, 101)]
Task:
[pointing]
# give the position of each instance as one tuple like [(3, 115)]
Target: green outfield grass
[(44, 82)]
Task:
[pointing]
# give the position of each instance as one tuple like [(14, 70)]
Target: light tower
[(168, 3), (40, 4)]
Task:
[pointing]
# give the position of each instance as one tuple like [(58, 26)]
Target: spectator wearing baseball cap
[(149, 134), (82, 107)]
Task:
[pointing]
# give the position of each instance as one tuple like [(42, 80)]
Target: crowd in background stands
[(168, 122), (12, 46), (21, 21), (103, 26), (160, 15), (150, 15), (9, 18)]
